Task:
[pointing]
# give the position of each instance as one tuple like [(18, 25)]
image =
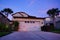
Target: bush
[(15, 23), (48, 27), (51, 26), (4, 27), (43, 28)]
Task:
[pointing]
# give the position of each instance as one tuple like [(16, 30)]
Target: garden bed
[(56, 31)]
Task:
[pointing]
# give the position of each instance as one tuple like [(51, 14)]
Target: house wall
[(36, 20), (57, 25)]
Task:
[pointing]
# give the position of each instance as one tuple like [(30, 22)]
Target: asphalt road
[(31, 36)]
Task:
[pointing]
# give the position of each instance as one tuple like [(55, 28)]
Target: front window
[(41, 22), (29, 21)]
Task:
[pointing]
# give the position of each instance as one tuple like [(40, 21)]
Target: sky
[(37, 8)]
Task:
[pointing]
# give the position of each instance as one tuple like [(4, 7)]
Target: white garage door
[(29, 26)]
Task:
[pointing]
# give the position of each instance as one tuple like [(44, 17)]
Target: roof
[(24, 15), (30, 17), (21, 14), (4, 16)]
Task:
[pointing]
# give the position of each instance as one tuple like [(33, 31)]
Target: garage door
[(35, 26)]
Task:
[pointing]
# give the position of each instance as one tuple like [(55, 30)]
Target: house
[(57, 20), (27, 22), (4, 19)]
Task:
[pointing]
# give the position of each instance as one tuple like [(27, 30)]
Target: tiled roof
[(4, 16), (21, 13), (25, 17)]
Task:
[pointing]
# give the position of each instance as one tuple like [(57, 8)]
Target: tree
[(52, 13), (7, 11)]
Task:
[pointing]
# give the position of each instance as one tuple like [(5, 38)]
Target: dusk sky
[(32, 7)]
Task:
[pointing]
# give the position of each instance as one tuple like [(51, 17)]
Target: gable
[(20, 14), (24, 14), (17, 15)]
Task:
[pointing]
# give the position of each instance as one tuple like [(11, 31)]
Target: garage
[(29, 26)]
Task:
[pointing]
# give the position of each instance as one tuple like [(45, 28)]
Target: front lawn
[(4, 33), (56, 31)]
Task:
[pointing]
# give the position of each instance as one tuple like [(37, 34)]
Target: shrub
[(43, 28), (49, 27), (4, 27), (15, 23)]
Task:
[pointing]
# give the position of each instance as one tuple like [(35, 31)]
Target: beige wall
[(38, 20)]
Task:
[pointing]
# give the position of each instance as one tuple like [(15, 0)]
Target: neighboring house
[(4, 19), (57, 20), (27, 22)]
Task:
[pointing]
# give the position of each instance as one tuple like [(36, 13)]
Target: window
[(41, 22), (29, 22), (33, 21), (26, 21)]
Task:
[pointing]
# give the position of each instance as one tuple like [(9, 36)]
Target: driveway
[(31, 36)]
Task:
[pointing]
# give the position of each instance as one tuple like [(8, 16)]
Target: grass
[(56, 31), (4, 33)]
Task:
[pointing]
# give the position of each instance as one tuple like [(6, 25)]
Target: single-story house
[(27, 22)]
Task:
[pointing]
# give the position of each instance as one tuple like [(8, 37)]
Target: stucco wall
[(36, 20)]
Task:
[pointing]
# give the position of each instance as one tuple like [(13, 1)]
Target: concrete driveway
[(31, 36)]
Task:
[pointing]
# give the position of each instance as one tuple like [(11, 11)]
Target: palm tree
[(7, 11), (52, 13)]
